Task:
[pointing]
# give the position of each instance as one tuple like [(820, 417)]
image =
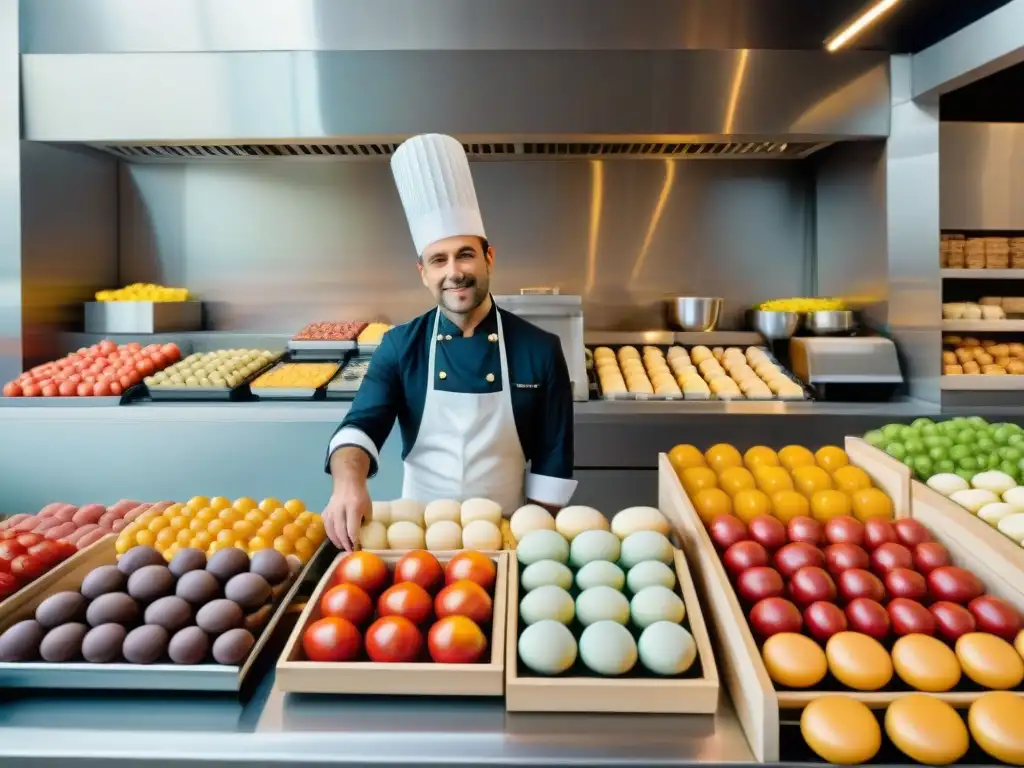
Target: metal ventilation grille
[(754, 149)]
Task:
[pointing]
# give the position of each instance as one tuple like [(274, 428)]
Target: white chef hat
[(436, 187)]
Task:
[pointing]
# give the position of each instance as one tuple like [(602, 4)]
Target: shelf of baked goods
[(971, 364), (982, 274)]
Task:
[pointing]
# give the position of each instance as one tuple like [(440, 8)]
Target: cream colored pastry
[(700, 354), (627, 353), (441, 509), (653, 351), (660, 379), (758, 392), (667, 388), (603, 353), (708, 365), (640, 387), (675, 353)]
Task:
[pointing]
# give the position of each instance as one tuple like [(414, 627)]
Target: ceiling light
[(869, 16)]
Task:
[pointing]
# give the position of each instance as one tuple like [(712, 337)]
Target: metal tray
[(73, 402), (293, 393), (320, 350), (638, 396), (366, 348), (135, 677), (213, 394)]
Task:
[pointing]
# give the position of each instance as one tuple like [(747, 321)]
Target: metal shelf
[(981, 383), (982, 274), (982, 326)]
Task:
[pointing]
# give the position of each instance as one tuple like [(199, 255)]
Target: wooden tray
[(956, 528), (44, 584), (124, 676), (413, 679), (754, 695), (607, 694)]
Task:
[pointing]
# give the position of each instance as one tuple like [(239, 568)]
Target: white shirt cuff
[(354, 436), (553, 491)]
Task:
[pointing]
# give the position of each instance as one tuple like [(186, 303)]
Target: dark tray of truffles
[(136, 622)]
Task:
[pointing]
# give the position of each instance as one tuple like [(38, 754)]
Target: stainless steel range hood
[(226, 79)]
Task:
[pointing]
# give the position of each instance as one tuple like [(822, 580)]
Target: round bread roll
[(574, 520), (479, 509), (633, 519), (442, 509), (669, 388), (405, 535), (381, 512), (481, 535), (631, 365), (626, 353), (529, 518), (676, 353), (407, 510), (653, 351), (373, 535), (707, 365), (640, 386), (759, 393), (716, 373), (699, 354), (444, 535), (603, 353)]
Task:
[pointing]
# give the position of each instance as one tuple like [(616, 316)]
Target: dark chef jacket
[(396, 381)]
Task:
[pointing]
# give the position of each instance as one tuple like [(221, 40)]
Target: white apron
[(467, 445)]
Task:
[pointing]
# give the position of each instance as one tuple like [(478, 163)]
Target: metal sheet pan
[(136, 677), (638, 396), (294, 393), (73, 402)]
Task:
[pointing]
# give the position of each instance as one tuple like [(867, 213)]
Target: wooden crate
[(754, 695), (124, 676), (12, 609), (413, 679), (607, 694)]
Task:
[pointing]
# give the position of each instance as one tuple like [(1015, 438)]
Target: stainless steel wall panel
[(10, 194), (273, 245), (992, 43), (912, 234), (69, 246), (110, 26), (850, 232), (476, 95), (981, 176)]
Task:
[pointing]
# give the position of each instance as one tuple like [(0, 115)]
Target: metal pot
[(831, 322), (692, 313), (774, 325)]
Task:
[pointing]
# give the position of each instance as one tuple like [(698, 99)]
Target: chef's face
[(457, 270)]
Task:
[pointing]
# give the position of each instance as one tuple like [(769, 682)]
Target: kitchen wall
[(271, 244)]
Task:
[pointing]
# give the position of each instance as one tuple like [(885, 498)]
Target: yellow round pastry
[(699, 354), (925, 663), (926, 730), (989, 661), (996, 722), (858, 661), (626, 353), (841, 730)]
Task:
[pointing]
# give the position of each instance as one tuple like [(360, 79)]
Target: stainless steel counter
[(274, 728), (174, 451)]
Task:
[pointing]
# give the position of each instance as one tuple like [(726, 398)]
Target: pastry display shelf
[(982, 326), (982, 274), (981, 383)]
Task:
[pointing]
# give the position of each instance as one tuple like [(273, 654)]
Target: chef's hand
[(348, 506), (350, 502)]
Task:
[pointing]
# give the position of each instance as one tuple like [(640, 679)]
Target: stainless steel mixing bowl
[(831, 322), (692, 313), (774, 325)]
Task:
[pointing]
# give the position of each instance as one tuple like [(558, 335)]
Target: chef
[(482, 397)]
